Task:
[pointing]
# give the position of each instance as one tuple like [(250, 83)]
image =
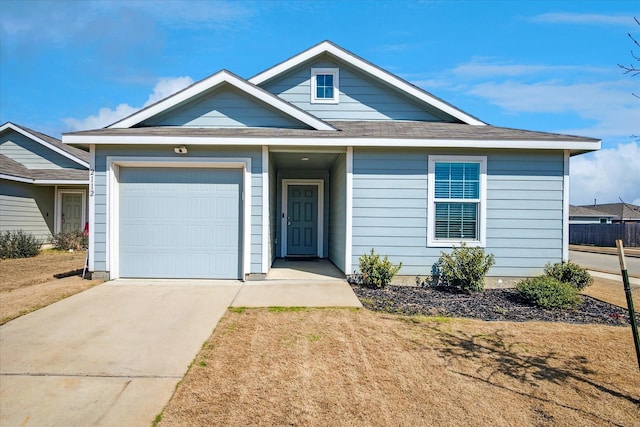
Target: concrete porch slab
[(320, 269), (296, 293)]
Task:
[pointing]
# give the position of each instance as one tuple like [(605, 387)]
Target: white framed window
[(324, 85), (457, 201)]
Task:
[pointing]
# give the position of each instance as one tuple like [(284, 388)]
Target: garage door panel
[(180, 223)]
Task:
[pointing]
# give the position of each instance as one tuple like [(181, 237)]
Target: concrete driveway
[(109, 356)]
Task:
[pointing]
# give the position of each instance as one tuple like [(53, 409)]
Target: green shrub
[(377, 272), (66, 240), (548, 292), (18, 244), (568, 272), (464, 269)]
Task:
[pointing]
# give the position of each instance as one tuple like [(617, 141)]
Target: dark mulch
[(492, 304)]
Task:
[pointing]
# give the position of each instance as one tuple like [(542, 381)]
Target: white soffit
[(210, 82)]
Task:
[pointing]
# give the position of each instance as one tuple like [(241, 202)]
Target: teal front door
[(302, 220)]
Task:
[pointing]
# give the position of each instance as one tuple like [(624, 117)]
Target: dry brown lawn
[(612, 291), (326, 367), (27, 284)]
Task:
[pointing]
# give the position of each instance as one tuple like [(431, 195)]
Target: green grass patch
[(278, 309), (237, 310)]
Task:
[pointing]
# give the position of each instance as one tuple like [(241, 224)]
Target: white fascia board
[(370, 69), (211, 82), (336, 142), (43, 181), (45, 143), (60, 182), (16, 178)]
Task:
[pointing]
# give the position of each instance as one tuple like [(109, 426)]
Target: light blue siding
[(226, 108), (338, 212), (524, 209), (31, 154), (100, 226), (360, 97), (28, 208)]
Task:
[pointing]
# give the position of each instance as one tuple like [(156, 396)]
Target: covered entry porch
[(308, 204)]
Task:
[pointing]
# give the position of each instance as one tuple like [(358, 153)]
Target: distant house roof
[(77, 155), (583, 211), (14, 171), (621, 211)]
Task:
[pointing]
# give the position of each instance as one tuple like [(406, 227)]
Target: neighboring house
[(324, 155), (43, 183), (618, 212), (587, 215)]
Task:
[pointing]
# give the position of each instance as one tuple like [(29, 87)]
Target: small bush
[(66, 240), (464, 269), (377, 272), (18, 244), (568, 272), (548, 292)]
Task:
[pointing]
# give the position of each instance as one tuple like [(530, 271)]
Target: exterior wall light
[(180, 150)]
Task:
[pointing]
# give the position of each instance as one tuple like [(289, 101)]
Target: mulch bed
[(492, 304)]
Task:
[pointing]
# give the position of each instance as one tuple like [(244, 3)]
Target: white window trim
[(320, 227), (58, 211), (336, 85), (113, 188), (431, 220)]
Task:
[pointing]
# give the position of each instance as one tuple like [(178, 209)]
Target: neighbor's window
[(456, 200), (324, 85)]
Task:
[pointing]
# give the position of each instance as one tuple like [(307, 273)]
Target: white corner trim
[(44, 143), (439, 243), (565, 207), (335, 72), (368, 68), (320, 216), (211, 82), (266, 229), (113, 168), (92, 207), (348, 232)]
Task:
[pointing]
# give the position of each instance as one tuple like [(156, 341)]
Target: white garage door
[(180, 223)]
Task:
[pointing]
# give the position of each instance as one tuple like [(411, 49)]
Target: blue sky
[(539, 65)]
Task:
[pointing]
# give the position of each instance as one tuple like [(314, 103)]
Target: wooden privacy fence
[(604, 234)]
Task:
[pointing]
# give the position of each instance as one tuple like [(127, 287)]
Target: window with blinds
[(456, 196)]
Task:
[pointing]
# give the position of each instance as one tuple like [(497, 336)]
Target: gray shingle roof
[(619, 210), (76, 152), (353, 129), (12, 168), (585, 211)]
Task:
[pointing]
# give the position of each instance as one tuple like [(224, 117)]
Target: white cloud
[(582, 18), (106, 116), (609, 105), (480, 67), (607, 175)]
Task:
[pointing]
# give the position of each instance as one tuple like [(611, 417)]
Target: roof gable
[(44, 144), (194, 93), (360, 96), (367, 68)]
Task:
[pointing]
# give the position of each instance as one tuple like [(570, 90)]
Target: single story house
[(323, 155), (43, 183), (588, 215), (616, 212)]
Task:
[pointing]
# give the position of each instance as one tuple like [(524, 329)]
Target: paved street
[(605, 262)]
